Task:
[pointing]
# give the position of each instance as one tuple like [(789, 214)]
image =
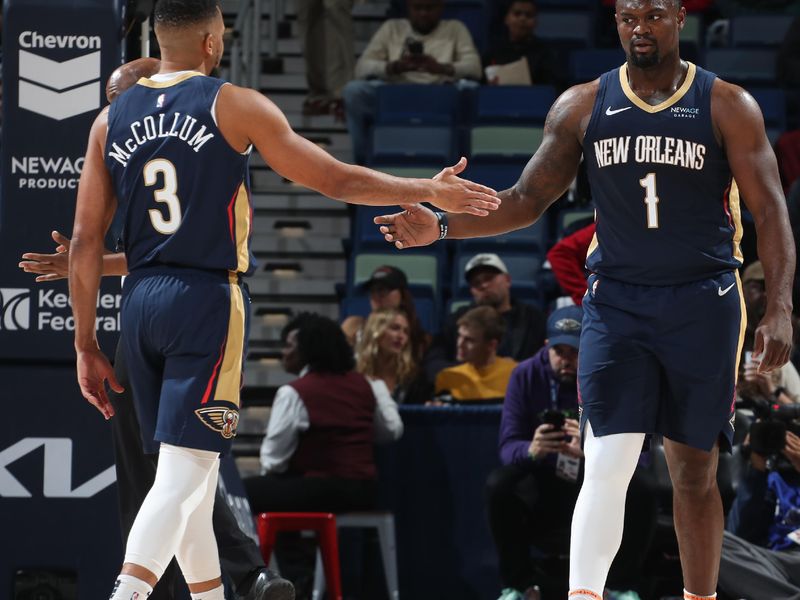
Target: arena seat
[(507, 104), (392, 144), (401, 104), (497, 144), (739, 65), (759, 30)]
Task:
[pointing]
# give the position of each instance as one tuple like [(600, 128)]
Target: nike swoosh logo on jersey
[(722, 292), (610, 112)]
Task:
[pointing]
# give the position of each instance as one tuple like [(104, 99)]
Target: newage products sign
[(57, 56)]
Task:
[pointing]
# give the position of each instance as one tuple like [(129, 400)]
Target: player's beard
[(644, 61)]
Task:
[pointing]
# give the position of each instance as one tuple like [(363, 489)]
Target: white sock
[(218, 593), (600, 509), (128, 587), (691, 596)]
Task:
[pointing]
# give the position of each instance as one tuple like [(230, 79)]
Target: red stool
[(269, 524)]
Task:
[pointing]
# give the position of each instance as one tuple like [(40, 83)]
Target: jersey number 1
[(167, 195), (650, 199)]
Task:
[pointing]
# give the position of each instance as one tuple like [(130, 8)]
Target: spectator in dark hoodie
[(531, 497)]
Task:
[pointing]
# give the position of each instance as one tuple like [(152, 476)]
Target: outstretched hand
[(415, 226), (458, 195), (49, 267)]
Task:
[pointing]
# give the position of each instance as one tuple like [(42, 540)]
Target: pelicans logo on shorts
[(222, 420)]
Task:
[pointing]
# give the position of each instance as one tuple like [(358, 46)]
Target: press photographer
[(761, 544)]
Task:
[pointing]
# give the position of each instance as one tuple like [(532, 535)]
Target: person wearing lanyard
[(530, 498)]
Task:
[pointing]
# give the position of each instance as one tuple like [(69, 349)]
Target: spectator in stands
[(317, 454), (420, 49), (326, 32), (531, 497), (568, 262), (759, 548), (519, 41), (490, 285), (481, 374), (781, 385), (388, 289), (384, 355)]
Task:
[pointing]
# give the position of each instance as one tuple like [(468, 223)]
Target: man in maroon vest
[(317, 454)]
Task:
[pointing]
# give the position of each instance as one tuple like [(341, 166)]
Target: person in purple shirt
[(530, 498)]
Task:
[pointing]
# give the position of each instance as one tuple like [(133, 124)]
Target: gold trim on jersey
[(735, 208), (679, 93), (592, 245), (165, 84), (229, 382), (742, 324), (241, 215)]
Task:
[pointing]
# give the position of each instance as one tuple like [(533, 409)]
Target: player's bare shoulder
[(733, 110), (572, 110)]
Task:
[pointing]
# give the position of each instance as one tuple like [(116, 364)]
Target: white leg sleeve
[(197, 552), (600, 510), (180, 486)]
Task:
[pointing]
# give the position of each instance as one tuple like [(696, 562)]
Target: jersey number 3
[(167, 195), (650, 199)]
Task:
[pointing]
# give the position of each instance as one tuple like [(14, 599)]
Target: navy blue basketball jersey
[(183, 190), (667, 207)]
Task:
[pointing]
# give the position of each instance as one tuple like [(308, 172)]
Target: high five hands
[(418, 225)]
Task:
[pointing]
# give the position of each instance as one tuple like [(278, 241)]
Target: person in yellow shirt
[(481, 374)]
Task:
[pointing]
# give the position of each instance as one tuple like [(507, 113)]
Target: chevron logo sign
[(59, 90)]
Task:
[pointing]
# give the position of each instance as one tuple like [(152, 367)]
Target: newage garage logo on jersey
[(49, 310), (54, 89)]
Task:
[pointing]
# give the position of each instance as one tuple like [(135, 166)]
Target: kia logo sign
[(59, 90), (57, 471)]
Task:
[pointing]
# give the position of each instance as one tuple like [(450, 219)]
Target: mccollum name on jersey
[(655, 149), (153, 127)]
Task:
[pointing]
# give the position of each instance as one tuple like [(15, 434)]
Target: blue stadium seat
[(739, 65), (566, 218), (587, 65), (401, 104), (573, 27), (498, 176), (528, 239), (773, 106), (393, 144), (759, 30), (510, 104)]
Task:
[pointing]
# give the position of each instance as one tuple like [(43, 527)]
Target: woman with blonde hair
[(384, 353)]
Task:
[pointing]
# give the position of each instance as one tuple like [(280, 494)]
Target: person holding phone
[(422, 48), (530, 498)]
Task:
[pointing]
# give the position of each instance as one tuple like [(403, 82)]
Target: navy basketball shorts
[(184, 334), (662, 359)]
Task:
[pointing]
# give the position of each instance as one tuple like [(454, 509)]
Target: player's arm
[(547, 175), (545, 178), (740, 127), (245, 116), (93, 213)]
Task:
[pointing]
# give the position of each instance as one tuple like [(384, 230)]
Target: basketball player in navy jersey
[(174, 150), (670, 149)]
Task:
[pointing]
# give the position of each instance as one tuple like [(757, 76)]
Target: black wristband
[(442, 218), (778, 391)]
